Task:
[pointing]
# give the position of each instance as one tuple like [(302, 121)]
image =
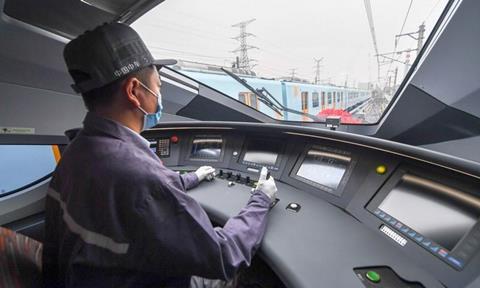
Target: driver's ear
[(130, 87)]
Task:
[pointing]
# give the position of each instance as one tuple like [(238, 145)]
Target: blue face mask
[(152, 119)]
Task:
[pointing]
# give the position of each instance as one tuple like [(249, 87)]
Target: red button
[(174, 139)]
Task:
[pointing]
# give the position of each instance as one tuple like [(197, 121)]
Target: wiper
[(267, 98), (261, 97)]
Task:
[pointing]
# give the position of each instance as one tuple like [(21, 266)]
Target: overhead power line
[(153, 47), (397, 39)]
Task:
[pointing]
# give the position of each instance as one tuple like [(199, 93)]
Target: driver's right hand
[(265, 185)]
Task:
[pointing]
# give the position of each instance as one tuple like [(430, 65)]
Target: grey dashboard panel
[(333, 233), (318, 246), (460, 147), (424, 155)]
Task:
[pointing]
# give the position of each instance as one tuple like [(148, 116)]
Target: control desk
[(352, 211)]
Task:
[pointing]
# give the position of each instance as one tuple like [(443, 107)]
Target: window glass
[(369, 54), (241, 97), (253, 100), (315, 100), (304, 100), (22, 165)]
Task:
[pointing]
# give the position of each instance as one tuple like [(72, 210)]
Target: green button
[(373, 276)]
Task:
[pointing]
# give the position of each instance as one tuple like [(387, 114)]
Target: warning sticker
[(17, 130)]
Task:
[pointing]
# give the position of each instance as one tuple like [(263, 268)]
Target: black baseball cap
[(105, 54)]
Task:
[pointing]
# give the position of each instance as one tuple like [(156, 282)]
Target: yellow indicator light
[(381, 169)]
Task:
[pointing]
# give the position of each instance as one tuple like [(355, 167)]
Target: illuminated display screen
[(324, 168), (262, 152), (439, 212), (206, 148)]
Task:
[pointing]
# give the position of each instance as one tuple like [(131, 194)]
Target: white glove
[(205, 172), (265, 185)]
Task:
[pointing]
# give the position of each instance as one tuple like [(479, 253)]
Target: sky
[(290, 34)]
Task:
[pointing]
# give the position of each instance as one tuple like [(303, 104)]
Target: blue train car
[(303, 97)]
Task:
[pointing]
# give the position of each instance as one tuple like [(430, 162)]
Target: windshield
[(295, 61)]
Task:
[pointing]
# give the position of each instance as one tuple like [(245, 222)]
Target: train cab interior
[(388, 202)]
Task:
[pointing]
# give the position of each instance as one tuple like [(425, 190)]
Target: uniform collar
[(145, 141), (96, 124)]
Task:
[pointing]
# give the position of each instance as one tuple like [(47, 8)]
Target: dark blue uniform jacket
[(116, 217)]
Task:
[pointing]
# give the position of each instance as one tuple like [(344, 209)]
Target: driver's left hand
[(205, 172)]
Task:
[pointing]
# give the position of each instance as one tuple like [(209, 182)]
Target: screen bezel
[(249, 140), (396, 177), (190, 146), (343, 182), (440, 177)]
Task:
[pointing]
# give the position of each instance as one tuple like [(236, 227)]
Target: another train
[(318, 100)]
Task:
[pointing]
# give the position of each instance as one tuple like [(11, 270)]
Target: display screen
[(324, 168), (438, 212), (263, 152), (206, 148)]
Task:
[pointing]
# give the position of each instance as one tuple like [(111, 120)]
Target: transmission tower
[(292, 73), (317, 70), (244, 61)]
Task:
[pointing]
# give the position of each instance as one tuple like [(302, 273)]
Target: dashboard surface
[(346, 203)]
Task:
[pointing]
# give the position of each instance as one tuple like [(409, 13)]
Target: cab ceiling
[(70, 18)]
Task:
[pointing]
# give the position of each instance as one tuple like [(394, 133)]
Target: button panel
[(238, 178), (163, 147), (456, 260)]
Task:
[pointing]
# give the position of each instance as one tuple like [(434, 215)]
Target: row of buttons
[(295, 207), (237, 178), (420, 239)]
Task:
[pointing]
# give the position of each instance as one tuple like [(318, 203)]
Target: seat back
[(20, 260)]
